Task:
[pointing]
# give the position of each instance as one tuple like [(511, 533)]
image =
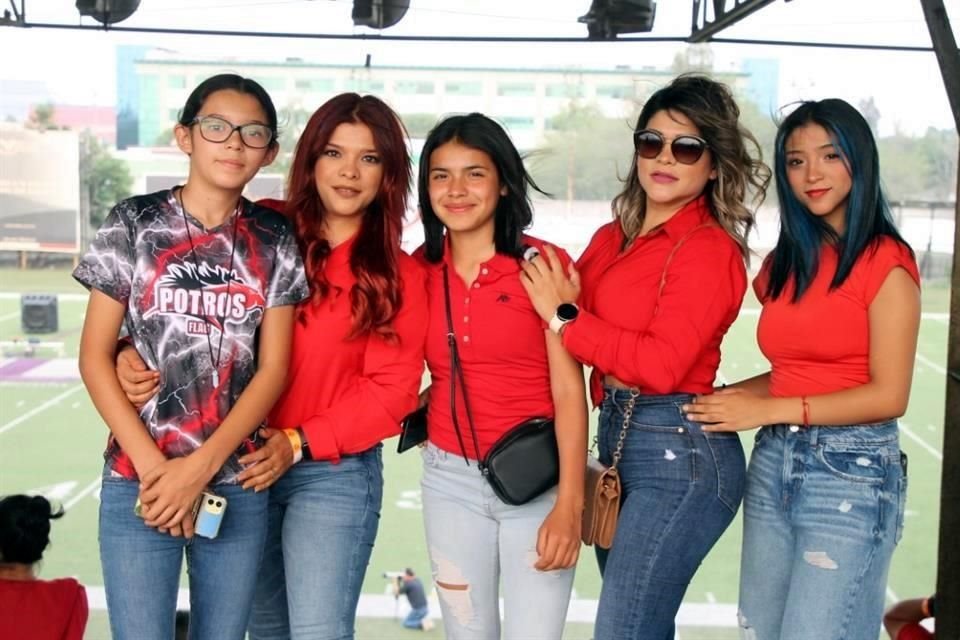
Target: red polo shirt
[(348, 395), (677, 349), (502, 348), (821, 343)]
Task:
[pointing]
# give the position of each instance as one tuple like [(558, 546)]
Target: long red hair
[(375, 298)]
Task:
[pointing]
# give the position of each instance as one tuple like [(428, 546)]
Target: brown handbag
[(601, 508), (602, 504)]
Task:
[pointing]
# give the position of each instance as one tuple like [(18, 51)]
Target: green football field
[(51, 441)]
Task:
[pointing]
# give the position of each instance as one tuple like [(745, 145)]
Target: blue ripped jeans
[(479, 545), (681, 489), (822, 514)]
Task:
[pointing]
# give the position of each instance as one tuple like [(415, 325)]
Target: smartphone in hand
[(209, 512)]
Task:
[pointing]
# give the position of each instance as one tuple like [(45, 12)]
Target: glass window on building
[(516, 123), (463, 88), (314, 84), (413, 87), (363, 86), (516, 89), (621, 91), (564, 91), (272, 83), (177, 82)]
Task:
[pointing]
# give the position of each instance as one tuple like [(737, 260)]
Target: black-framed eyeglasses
[(686, 149), (215, 129)]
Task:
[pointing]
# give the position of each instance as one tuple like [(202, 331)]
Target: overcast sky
[(907, 87)]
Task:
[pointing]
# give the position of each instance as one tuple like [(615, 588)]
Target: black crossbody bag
[(524, 462)]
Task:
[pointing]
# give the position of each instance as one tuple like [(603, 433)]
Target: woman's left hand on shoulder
[(728, 410), (548, 286), (558, 540), (265, 465)]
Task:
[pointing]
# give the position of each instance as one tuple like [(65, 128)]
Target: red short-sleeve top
[(821, 343)]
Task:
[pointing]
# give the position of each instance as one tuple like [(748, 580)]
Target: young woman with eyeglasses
[(647, 306), (204, 283), (355, 369), (824, 504), (474, 206)]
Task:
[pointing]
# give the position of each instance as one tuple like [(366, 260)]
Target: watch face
[(567, 312)]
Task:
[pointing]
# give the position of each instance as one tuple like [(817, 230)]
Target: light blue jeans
[(478, 541), (823, 512), (323, 520), (141, 567)]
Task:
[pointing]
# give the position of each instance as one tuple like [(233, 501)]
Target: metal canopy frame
[(704, 28)]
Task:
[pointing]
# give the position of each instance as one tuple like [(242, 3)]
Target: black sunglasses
[(685, 149)]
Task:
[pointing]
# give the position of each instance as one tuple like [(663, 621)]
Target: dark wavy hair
[(514, 211), (375, 298), (25, 528), (867, 217), (229, 82), (741, 173)]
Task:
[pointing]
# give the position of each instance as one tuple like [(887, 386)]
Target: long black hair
[(514, 211)]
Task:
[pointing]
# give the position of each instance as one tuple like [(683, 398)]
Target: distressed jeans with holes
[(681, 489), (478, 542), (822, 514)]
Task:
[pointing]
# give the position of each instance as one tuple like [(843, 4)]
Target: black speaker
[(38, 313)]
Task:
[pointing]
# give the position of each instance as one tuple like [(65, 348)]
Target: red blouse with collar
[(677, 349), (350, 394), (502, 347)]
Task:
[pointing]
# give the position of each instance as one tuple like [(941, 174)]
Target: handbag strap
[(631, 403), (456, 371)]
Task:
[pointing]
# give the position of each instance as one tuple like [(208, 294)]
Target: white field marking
[(910, 434), (931, 427), (75, 405), (57, 491), (712, 599), (20, 403), (9, 316), (90, 488), (891, 596), (43, 407), (385, 606), (933, 365)]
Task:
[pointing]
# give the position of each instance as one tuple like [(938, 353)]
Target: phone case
[(210, 512), (413, 430)]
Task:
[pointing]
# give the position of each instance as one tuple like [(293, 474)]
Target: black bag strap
[(456, 371)]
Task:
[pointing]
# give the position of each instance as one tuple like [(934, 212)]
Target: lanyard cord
[(214, 362)]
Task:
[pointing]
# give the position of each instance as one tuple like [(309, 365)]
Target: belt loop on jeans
[(814, 432)]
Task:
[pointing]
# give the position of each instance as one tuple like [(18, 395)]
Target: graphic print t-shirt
[(186, 310)]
